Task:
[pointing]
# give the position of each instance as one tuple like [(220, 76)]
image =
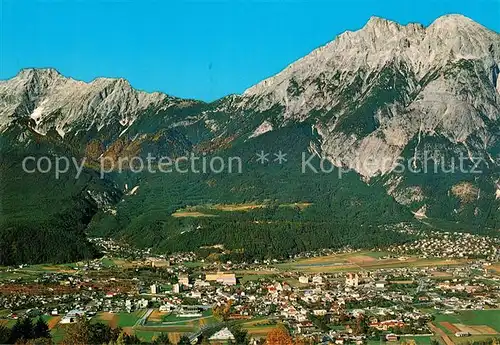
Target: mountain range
[(385, 94)]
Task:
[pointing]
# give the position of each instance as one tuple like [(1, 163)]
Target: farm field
[(419, 340), (365, 260), (495, 268), (119, 319), (254, 277), (58, 332), (475, 322), (30, 270), (258, 328), (423, 340), (144, 334), (471, 339), (212, 210), (148, 336), (127, 321), (51, 320), (154, 326)]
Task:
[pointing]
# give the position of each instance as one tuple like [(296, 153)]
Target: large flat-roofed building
[(184, 279), (222, 278), (352, 279)]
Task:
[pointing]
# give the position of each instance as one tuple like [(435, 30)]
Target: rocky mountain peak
[(367, 83), (54, 101), (380, 42), (41, 73), (455, 21), (378, 23)]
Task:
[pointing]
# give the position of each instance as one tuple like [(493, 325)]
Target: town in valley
[(443, 288)]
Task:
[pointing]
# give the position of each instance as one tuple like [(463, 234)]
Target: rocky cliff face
[(50, 100), (374, 90), (372, 96)]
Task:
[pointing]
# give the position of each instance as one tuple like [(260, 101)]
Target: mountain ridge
[(385, 92)]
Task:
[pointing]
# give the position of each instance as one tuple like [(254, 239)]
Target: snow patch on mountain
[(37, 114)]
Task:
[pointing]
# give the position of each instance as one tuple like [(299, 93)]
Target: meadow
[(212, 210), (477, 322), (363, 260)]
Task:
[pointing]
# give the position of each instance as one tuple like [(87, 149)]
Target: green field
[(107, 262), (489, 318), (119, 319), (472, 339), (419, 340), (58, 333), (258, 327), (253, 277), (362, 260), (129, 319), (146, 335), (213, 210), (423, 340)]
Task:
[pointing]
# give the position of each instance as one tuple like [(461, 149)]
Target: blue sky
[(194, 49)]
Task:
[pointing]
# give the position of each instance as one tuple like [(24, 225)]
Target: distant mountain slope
[(366, 101), (44, 219)]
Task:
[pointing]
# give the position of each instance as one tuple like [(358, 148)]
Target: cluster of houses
[(450, 245), (387, 296)]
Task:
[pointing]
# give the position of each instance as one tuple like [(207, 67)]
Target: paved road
[(144, 317)]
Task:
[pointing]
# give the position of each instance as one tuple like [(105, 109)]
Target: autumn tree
[(162, 339), (279, 336), (222, 312), (302, 341), (78, 333), (361, 326)]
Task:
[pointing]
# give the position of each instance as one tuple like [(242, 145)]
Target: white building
[(184, 279), (352, 279), (317, 280), (222, 335), (72, 316)]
